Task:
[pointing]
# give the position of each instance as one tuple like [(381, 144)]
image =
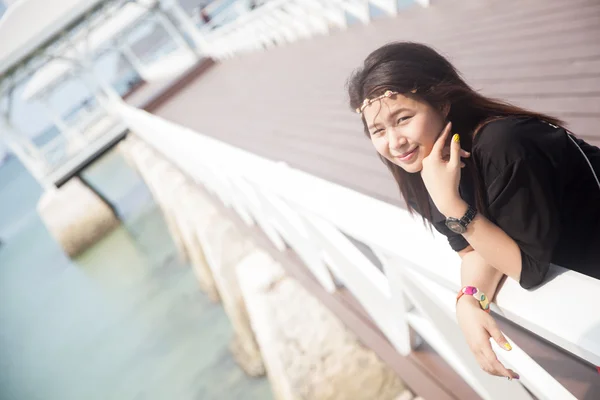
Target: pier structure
[(261, 136)]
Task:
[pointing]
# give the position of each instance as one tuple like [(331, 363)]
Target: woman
[(528, 194)]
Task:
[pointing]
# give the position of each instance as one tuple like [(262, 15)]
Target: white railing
[(421, 273), (284, 21)]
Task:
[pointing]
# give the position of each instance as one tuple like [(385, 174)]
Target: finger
[(439, 144), (496, 366), (464, 154), (446, 152), (498, 337), (455, 150), (514, 374), (487, 366), (501, 340), (501, 370), (462, 164)]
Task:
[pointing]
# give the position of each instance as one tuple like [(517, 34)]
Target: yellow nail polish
[(507, 346), (456, 138)]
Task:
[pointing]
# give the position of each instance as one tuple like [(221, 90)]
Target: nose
[(395, 139)]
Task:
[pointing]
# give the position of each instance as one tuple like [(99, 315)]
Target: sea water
[(126, 320)]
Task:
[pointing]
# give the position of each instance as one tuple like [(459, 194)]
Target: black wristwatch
[(460, 225)]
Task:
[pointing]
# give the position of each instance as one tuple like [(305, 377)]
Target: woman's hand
[(441, 174), (477, 327)]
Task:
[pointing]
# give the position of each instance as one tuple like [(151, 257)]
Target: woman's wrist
[(456, 209), (468, 301)]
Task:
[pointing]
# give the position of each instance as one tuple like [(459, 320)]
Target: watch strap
[(469, 216)]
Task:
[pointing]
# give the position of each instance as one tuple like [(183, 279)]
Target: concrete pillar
[(149, 167), (279, 327), (210, 242), (307, 351), (75, 216), (173, 195), (224, 247)]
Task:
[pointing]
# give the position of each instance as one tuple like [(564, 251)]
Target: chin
[(412, 168)]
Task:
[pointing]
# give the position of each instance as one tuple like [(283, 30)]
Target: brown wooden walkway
[(289, 104)]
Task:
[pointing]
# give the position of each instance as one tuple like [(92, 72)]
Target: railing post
[(438, 327), (389, 6)]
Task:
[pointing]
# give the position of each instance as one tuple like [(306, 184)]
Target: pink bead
[(470, 290)]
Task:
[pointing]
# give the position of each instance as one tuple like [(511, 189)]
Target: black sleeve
[(456, 240), (522, 203)]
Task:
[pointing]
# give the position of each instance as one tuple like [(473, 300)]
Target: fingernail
[(507, 346), (456, 138), (517, 376)]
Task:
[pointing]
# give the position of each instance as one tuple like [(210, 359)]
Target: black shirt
[(541, 191)]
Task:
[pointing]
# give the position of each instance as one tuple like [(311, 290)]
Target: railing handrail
[(553, 311), (513, 301), (288, 20)]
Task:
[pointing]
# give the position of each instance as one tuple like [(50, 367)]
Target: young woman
[(511, 189)]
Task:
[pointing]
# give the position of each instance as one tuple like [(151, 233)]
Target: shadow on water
[(126, 320)]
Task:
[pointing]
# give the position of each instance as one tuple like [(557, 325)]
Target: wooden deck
[(290, 104)]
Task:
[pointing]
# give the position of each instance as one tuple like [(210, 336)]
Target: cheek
[(380, 145)]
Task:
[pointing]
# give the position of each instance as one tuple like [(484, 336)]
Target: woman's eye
[(377, 132), (402, 119)]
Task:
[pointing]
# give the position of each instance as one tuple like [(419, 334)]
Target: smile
[(408, 155)]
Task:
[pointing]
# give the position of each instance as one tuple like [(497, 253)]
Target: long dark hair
[(406, 67)]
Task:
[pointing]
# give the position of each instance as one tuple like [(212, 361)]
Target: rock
[(307, 351)]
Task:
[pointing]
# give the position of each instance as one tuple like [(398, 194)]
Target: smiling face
[(403, 129)]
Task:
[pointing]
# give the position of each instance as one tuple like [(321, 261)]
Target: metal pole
[(189, 26), (133, 59), (69, 132), (87, 66), (27, 153), (173, 32)]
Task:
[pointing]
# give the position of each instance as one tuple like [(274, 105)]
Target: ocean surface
[(126, 320)]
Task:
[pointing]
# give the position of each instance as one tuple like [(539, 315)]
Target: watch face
[(455, 226)]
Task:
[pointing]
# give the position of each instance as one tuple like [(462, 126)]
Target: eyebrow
[(391, 116)]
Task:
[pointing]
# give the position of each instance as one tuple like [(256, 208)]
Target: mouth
[(408, 155)]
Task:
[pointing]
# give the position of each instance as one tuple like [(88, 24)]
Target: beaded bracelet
[(479, 295)]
